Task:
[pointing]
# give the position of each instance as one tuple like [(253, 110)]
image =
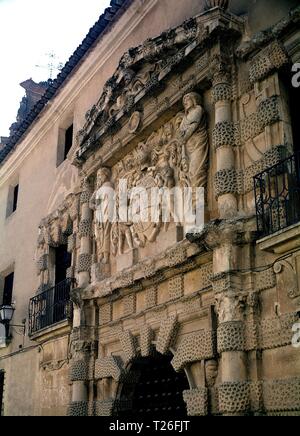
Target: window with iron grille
[(277, 196)]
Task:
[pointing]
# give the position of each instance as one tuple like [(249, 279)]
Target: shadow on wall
[(263, 13)]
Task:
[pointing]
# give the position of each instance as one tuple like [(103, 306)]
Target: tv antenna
[(52, 66)]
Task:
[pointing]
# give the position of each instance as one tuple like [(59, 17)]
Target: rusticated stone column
[(85, 226), (234, 390), (224, 138), (79, 370)]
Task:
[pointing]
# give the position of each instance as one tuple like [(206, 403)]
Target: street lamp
[(6, 314)]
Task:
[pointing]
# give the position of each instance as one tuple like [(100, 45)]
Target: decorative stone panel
[(128, 343), (167, 334), (85, 197), (84, 262), (105, 314), (276, 332), (268, 112), (79, 371), (176, 256), (85, 228), (129, 303), (234, 397), (265, 280), (270, 59), (282, 395), (151, 297), (224, 135), (109, 367), (176, 287), (222, 92), (146, 339), (124, 280), (78, 408), (196, 401), (228, 182), (195, 347), (250, 127), (206, 272), (104, 408), (231, 336)]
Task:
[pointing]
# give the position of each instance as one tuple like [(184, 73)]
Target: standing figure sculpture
[(195, 146), (101, 203)]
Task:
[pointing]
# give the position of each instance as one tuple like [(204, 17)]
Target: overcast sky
[(29, 29)]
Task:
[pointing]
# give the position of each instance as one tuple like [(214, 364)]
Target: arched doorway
[(153, 388)]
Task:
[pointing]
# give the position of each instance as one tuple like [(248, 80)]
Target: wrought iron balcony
[(50, 307), (277, 196)]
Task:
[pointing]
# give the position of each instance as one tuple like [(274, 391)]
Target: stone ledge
[(281, 242), (59, 329)]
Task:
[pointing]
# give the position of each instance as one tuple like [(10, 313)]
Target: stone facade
[(203, 104)]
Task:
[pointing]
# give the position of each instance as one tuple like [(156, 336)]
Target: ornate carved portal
[(168, 118)]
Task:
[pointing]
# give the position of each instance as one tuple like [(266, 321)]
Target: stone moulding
[(145, 276)]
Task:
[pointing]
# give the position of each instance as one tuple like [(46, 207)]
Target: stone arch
[(123, 370), (151, 386)]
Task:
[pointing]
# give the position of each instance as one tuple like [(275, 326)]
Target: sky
[(29, 31)]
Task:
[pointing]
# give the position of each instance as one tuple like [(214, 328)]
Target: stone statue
[(101, 205), (193, 134)]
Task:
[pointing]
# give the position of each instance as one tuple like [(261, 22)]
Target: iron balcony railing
[(277, 196), (50, 307)]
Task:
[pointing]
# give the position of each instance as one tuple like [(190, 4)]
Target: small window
[(12, 201), (68, 140), (1, 391), (15, 198), (8, 289), (65, 142)]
